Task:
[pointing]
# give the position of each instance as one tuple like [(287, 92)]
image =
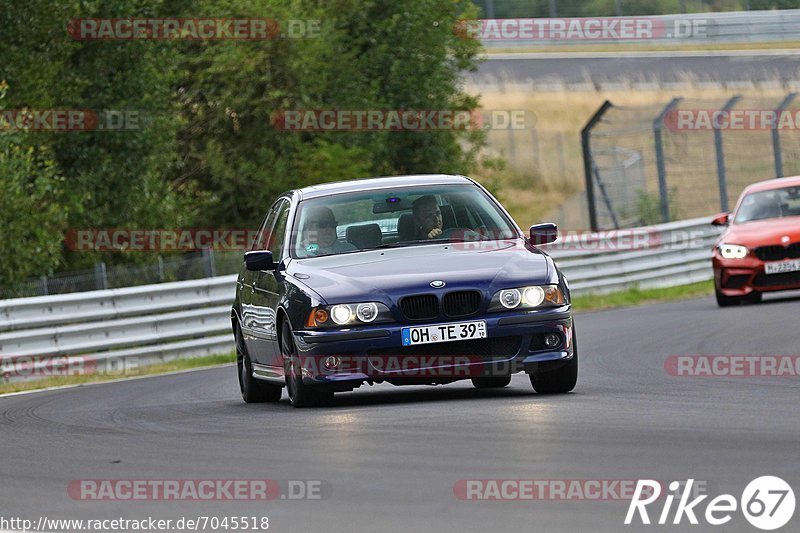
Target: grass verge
[(149, 370), (633, 297)]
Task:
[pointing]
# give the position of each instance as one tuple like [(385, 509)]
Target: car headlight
[(527, 298), (348, 315), (732, 251)]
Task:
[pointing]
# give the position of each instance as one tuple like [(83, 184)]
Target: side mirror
[(720, 220), (544, 233), (259, 260)]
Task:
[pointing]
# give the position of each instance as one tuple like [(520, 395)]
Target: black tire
[(491, 382), (561, 380), (253, 390), (300, 394)]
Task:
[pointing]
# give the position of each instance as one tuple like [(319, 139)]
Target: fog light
[(551, 340), (332, 362)]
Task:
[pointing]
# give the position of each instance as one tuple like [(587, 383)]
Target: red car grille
[(778, 253), (777, 280)]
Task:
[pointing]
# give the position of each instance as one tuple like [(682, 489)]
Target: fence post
[(100, 277), (537, 154), (489, 9), (208, 255), (43, 290), (658, 125), (723, 180), (512, 149), (588, 165), (776, 136), (160, 268)]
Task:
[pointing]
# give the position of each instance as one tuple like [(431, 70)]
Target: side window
[(262, 238), (279, 230)]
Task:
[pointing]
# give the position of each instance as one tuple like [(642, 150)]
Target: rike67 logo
[(767, 502)]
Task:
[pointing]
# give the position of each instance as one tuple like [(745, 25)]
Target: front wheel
[(253, 390), (561, 380), (300, 394)]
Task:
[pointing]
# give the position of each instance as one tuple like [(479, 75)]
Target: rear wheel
[(491, 382), (300, 394), (560, 380), (253, 390)]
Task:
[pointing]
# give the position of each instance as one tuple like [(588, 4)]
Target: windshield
[(763, 205), (407, 216)]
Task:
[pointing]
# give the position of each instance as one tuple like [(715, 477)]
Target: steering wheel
[(466, 233)]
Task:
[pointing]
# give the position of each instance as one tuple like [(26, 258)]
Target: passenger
[(319, 234)]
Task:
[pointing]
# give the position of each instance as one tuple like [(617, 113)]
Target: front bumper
[(741, 277), (376, 354)]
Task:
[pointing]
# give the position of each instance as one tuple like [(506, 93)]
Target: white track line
[(134, 378)]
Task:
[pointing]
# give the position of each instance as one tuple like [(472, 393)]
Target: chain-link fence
[(690, 158), (195, 265)]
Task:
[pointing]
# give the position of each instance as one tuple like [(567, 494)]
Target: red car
[(760, 250)]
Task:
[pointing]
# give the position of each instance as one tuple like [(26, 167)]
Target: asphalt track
[(662, 67), (390, 456)]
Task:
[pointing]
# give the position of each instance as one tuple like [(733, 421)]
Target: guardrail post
[(100, 277), (776, 136), (658, 125), (588, 164), (723, 180)]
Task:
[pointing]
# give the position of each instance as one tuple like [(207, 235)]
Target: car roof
[(777, 183), (367, 184)]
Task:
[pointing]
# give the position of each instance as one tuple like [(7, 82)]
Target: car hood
[(763, 232), (391, 273)]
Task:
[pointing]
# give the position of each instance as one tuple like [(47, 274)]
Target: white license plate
[(444, 333), (783, 266)]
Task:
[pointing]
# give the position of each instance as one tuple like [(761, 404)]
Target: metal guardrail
[(679, 254), (724, 27), (155, 323)]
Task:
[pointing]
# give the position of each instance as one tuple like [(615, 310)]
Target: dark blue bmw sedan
[(404, 280)]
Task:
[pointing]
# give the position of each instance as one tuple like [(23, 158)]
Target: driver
[(427, 218), (319, 233)]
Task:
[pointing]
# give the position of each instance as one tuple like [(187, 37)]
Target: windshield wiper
[(403, 244)]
